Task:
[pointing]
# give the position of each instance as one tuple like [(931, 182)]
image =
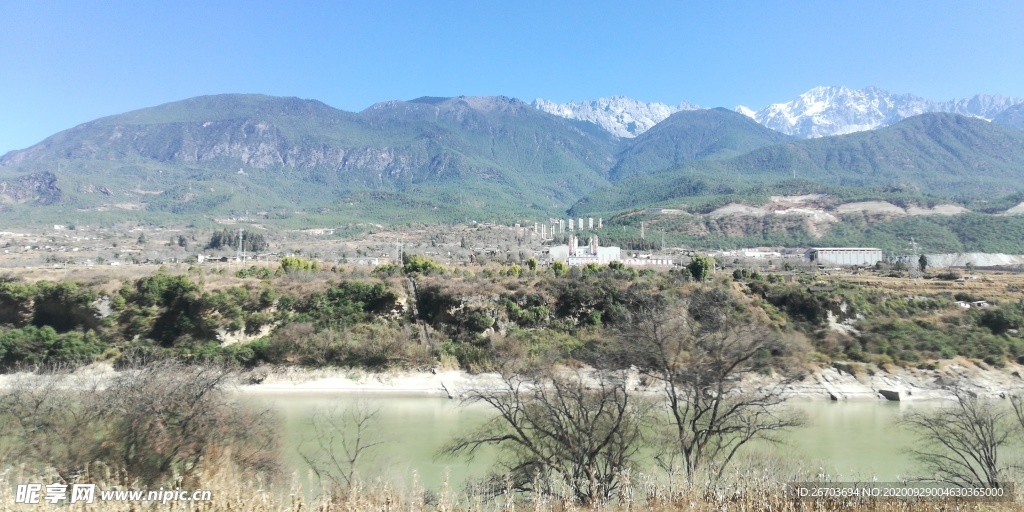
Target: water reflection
[(852, 440)]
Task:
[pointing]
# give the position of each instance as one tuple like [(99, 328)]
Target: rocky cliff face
[(495, 148), (40, 188)]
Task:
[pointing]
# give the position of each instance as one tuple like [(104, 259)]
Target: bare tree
[(42, 413), (961, 443), (564, 434), (700, 348), (341, 439), (153, 422), (166, 417)]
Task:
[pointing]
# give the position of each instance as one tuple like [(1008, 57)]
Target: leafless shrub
[(42, 416), (962, 444), (700, 348), (342, 442), (155, 423), (561, 434)]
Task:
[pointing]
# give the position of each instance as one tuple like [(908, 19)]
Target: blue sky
[(67, 62)]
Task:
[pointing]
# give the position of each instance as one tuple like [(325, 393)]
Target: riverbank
[(839, 382), (451, 383)]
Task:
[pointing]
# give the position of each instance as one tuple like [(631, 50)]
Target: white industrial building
[(576, 255), (844, 256)]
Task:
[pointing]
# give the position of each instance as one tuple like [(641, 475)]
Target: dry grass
[(234, 491), (992, 285)]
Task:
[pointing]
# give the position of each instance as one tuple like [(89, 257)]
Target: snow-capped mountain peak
[(836, 110), (621, 116), (819, 112), (745, 111)]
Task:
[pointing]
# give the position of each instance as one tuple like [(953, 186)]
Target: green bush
[(293, 264), (34, 346), (386, 270), (700, 267), (470, 357), (416, 264), (347, 303), (254, 271), (559, 268)]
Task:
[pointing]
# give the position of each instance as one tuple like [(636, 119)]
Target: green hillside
[(971, 232), (943, 155), (713, 134), (438, 160)]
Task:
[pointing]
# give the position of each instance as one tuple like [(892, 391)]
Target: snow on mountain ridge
[(825, 111), (819, 112), (621, 116), (745, 111)]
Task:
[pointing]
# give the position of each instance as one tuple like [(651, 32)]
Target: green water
[(411, 431), (855, 440), (848, 440)]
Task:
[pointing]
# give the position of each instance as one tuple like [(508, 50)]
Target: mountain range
[(934, 155), (485, 158), (825, 111), (820, 112), (620, 116), (424, 159)]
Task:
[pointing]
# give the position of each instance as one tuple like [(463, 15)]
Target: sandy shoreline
[(450, 384), (839, 382)]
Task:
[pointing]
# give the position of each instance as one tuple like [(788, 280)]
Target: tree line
[(228, 239)]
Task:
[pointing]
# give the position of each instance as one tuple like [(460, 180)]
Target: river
[(847, 440)]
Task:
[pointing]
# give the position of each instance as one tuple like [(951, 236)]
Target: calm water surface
[(848, 440)]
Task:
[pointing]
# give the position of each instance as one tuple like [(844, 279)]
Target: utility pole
[(912, 262), (238, 252)]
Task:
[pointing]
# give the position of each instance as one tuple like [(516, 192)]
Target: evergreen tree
[(700, 267)]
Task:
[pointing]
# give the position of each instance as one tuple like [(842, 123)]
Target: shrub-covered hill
[(420, 315), (689, 135), (440, 158), (943, 155), (932, 234)]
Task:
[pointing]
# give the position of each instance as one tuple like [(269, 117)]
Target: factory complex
[(844, 256)]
